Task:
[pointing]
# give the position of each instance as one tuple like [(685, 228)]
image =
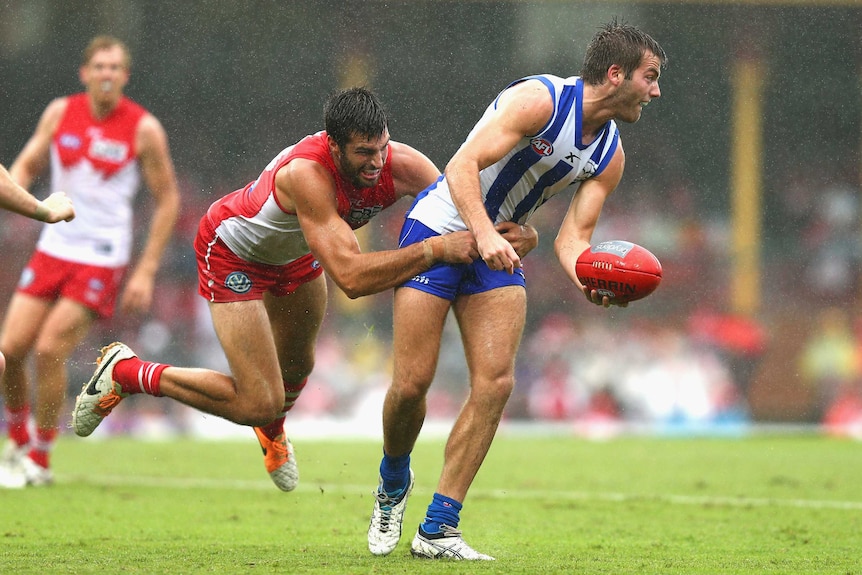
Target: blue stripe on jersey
[(567, 99), (513, 171), (518, 165), (597, 153), (579, 110), (611, 149), (548, 179)]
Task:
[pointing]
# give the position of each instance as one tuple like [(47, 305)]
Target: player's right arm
[(522, 110), (309, 189), (35, 156)]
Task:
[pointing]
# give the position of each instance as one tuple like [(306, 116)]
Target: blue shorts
[(450, 280)]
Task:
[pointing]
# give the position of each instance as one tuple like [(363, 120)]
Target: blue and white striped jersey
[(538, 168)]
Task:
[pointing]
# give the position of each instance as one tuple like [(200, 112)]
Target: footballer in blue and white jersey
[(538, 168)]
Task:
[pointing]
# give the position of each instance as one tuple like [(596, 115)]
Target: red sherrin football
[(621, 270)]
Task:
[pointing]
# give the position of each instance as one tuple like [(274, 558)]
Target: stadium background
[(757, 319)]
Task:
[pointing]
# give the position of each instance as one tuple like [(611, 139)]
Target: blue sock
[(395, 472), (442, 511)]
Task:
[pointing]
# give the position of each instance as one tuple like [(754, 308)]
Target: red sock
[(42, 446), (17, 419), (274, 429), (291, 394), (137, 376)]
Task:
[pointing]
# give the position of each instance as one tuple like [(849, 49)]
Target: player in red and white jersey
[(97, 143), (261, 253), (255, 226), (55, 208)]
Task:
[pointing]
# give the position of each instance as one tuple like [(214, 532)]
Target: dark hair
[(353, 112), (620, 44)]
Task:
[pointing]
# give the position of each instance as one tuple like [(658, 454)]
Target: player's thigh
[(418, 320), (296, 319), (64, 328), (22, 322), (245, 335), (491, 325)]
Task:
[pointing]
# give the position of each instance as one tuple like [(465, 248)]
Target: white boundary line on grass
[(260, 485), (682, 499)]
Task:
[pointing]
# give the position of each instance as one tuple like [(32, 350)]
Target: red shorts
[(225, 277), (50, 278)]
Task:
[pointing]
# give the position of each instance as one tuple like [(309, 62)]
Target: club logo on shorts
[(27, 277), (237, 282)]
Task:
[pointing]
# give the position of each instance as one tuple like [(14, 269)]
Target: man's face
[(362, 159), (634, 94), (105, 75)]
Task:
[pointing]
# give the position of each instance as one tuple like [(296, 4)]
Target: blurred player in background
[(98, 143), (540, 136), (261, 254), (55, 208)]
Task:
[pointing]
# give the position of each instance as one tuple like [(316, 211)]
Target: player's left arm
[(55, 208), (157, 169), (581, 218)]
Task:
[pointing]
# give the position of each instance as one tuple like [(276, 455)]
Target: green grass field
[(764, 504)]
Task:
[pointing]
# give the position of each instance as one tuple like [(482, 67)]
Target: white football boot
[(100, 395), (384, 532), (447, 544)]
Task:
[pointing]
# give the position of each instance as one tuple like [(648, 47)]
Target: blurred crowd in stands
[(679, 361)]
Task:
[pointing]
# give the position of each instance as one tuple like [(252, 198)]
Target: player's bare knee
[(410, 391), (256, 406), (496, 390)]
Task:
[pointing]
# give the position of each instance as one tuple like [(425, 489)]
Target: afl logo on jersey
[(237, 282), (542, 146)]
